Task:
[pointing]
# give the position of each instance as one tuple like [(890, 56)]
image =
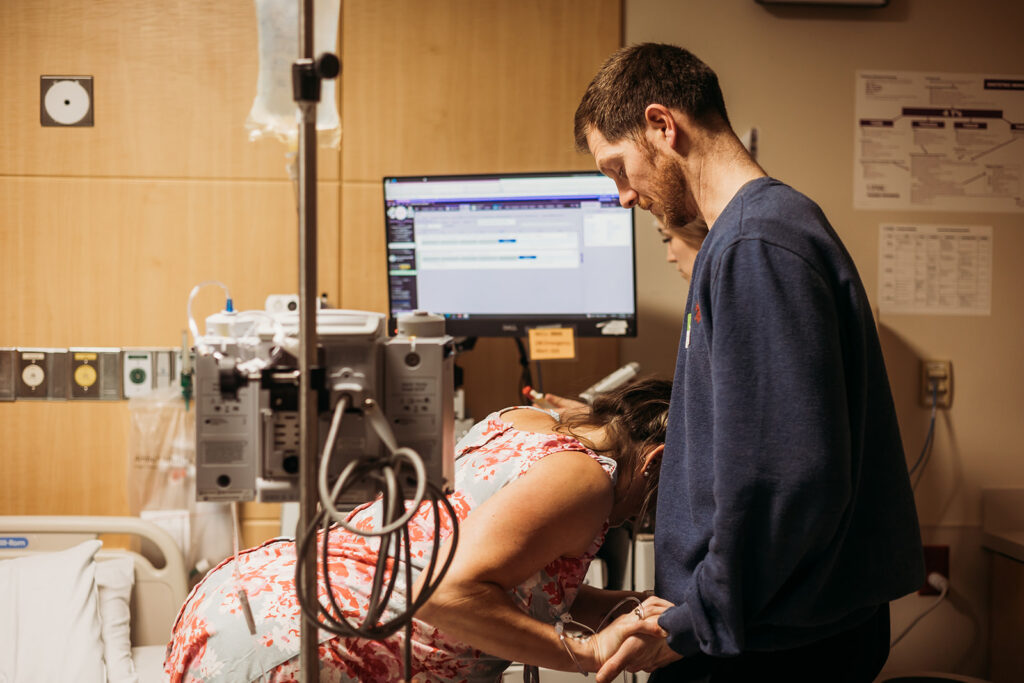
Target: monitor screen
[(498, 254)]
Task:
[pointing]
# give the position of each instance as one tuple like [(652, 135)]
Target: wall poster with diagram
[(939, 141)]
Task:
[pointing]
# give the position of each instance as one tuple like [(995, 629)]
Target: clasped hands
[(633, 642)]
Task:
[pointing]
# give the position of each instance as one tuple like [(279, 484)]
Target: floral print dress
[(210, 640)]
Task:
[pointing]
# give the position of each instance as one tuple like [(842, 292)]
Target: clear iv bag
[(274, 111)]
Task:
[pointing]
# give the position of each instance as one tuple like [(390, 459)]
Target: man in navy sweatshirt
[(791, 521)]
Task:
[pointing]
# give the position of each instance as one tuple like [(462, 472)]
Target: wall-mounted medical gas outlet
[(95, 374), (65, 101), (41, 374), (145, 370), (138, 372), (8, 359), (937, 373)]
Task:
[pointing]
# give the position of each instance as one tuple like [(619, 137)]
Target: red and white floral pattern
[(211, 642)]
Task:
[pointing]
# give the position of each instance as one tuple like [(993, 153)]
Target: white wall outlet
[(65, 101)]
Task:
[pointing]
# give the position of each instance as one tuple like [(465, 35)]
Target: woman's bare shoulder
[(530, 420)]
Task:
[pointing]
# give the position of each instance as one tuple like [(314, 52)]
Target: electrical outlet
[(936, 559), (940, 374)]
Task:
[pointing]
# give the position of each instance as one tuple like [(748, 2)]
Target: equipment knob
[(328, 65)]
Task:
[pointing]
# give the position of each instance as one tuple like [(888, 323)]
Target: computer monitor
[(498, 254)]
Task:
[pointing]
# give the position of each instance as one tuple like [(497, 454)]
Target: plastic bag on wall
[(161, 479), (274, 112), (161, 445)]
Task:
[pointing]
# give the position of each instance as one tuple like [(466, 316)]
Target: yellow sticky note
[(548, 343)]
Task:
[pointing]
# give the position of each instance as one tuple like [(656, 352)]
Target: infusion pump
[(247, 400)]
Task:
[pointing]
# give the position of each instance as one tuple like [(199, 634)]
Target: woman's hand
[(606, 642), (633, 642)]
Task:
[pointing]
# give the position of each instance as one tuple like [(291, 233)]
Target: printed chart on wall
[(935, 269), (939, 141)]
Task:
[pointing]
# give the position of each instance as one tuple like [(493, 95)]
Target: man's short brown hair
[(637, 76)]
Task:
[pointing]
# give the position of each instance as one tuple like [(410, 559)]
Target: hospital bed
[(72, 599)]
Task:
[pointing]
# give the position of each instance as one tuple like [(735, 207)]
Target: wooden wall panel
[(259, 521), (96, 262), (173, 85), (111, 263), (104, 230), (468, 86), (362, 261), (464, 86), (64, 458)]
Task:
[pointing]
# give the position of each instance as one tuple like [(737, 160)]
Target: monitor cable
[(926, 449), (395, 540)]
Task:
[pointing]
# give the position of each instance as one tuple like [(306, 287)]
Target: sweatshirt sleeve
[(780, 443)]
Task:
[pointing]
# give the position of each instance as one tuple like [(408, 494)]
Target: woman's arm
[(556, 509)]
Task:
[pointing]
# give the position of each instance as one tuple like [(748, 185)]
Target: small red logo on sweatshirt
[(696, 311)]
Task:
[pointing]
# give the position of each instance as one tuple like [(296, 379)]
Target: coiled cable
[(393, 532)]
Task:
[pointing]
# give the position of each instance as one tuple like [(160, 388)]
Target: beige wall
[(790, 73), (104, 230)]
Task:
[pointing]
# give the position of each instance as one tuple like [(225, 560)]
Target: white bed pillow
[(50, 624), (114, 579)]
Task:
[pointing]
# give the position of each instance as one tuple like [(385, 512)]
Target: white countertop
[(1009, 543), (1002, 521)]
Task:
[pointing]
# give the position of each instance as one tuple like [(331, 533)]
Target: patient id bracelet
[(578, 635)]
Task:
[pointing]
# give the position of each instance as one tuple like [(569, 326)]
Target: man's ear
[(665, 130)]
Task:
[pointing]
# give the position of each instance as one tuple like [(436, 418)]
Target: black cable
[(390, 496), (922, 459), (407, 650), (525, 378), (337, 623)]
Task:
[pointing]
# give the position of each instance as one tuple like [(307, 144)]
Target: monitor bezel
[(517, 325)]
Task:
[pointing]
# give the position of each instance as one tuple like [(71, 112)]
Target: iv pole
[(306, 76)]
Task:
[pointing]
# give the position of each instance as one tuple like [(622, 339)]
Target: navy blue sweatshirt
[(786, 513)]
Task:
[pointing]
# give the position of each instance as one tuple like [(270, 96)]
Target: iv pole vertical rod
[(309, 666)]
